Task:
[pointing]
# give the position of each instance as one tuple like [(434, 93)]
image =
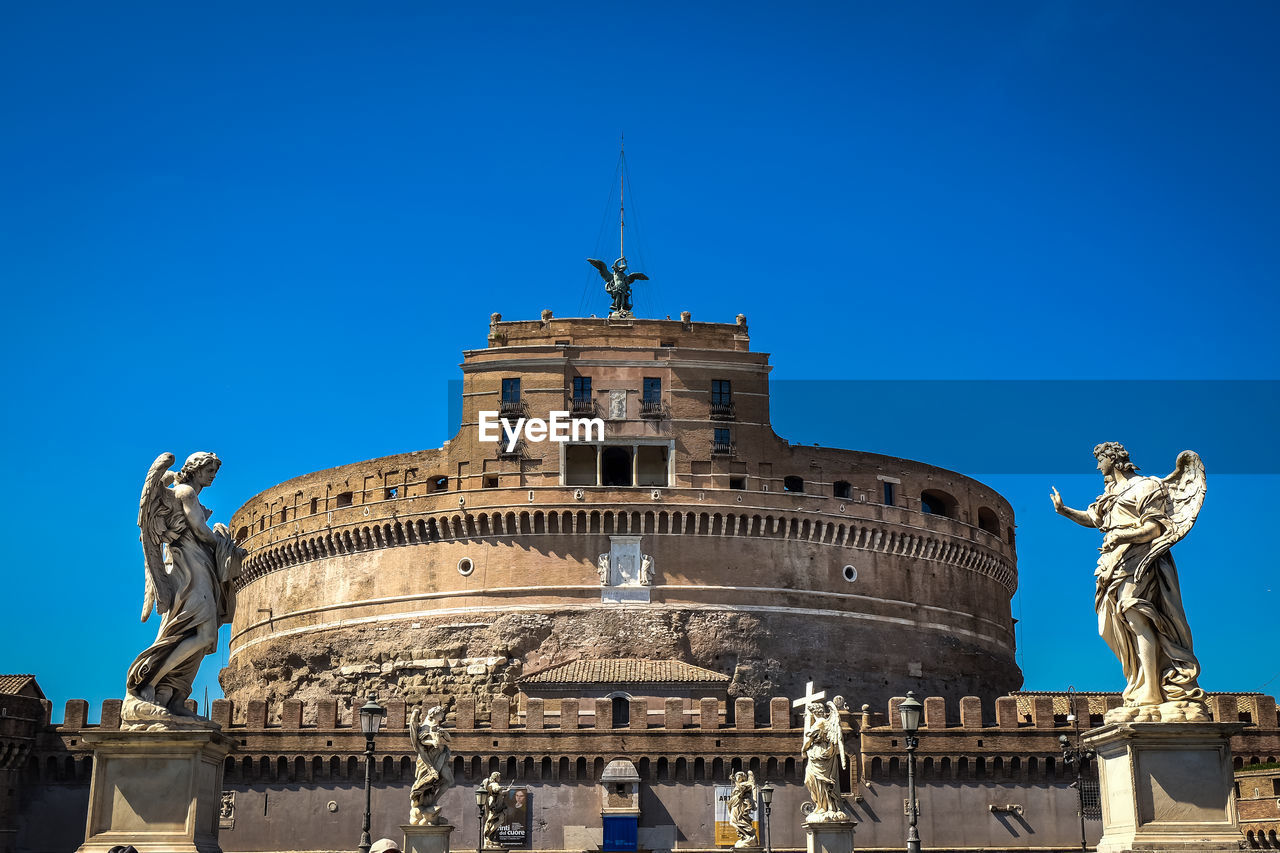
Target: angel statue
[(742, 802), (190, 569), (1140, 613), (618, 284), (823, 751), (434, 772), (495, 809)]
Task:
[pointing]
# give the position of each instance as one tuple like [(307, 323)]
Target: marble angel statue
[(190, 569), (742, 802), (1139, 604), (495, 809), (824, 755), (433, 774)]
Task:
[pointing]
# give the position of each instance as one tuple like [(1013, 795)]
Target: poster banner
[(514, 830), (726, 835)]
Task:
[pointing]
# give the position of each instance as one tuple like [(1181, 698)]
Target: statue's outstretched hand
[(1056, 498), (415, 717)]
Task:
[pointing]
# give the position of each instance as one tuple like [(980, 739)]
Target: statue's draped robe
[(740, 805), (202, 578), (1141, 577), (821, 772), (433, 773)]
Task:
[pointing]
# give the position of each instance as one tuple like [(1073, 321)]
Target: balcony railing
[(722, 448), (651, 408), (513, 408), (581, 406), (722, 410), (516, 451)]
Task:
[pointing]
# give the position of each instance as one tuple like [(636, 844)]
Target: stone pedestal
[(159, 791), (830, 836), (426, 839), (1166, 786)]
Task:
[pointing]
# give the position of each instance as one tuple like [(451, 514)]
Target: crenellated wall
[(299, 767)]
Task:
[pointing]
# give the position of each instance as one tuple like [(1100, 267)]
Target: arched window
[(988, 521), (842, 489), (793, 484), (935, 502), (621, 711)]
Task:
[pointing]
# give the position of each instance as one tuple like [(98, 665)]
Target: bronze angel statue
[(618, 283), (823, 751), (190, 568), (1139, 604)]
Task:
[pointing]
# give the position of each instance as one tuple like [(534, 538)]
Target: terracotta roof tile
[(624, 671), (13, 684)]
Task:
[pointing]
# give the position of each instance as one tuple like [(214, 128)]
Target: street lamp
[(766, 800), (481, 796), (910, 710), (371, 715), (1078, 756)]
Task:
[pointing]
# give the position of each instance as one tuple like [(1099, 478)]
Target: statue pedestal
[(1166, 786), (426, 838), (830, 836), (159, 791)]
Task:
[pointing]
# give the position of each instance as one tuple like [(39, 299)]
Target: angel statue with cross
[(190, 569), (618, 284), (1139, 604), (824, 754)]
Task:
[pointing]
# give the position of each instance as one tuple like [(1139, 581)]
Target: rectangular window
[(721, 392), (491, 481), (511, 390), (315, 504), (652, 389), (391, 493), (582, 389), (344, 499), (737, 482), (888, 494)]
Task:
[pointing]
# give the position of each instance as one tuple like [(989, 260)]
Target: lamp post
[(910, 711), (766, 800), (371, 715), (1077, 756), (481, 796)]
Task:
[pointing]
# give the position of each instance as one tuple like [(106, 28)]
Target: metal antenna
[(622, 191)]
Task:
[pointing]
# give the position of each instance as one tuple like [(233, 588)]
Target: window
[(722, 441), (739, 483), (842, 489), (721, 392), (511, 390), (581, 388), (440, 484), (315, 505), (667, 343), (491, 481), (890, 499), (284, 513), (988, 521), (343, 499), (1275, 787), (562, 343), (391, 493), (934, 502), (621, 711), (793, 484), (652, 389)]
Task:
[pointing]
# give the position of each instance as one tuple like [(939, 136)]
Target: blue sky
[(270, 229)]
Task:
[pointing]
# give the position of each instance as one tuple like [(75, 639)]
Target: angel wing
[(158, 520), (834, 734), (1186, 487), (637, 276), (602, 269)]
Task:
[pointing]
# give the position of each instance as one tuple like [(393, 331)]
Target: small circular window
[(466, 567), (850, 574)]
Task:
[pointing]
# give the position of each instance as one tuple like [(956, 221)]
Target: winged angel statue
[(823, 750), (1140, 613), (189, 571), (618, 283)]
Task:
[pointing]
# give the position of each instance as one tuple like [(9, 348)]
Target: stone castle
[(460, 570)]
